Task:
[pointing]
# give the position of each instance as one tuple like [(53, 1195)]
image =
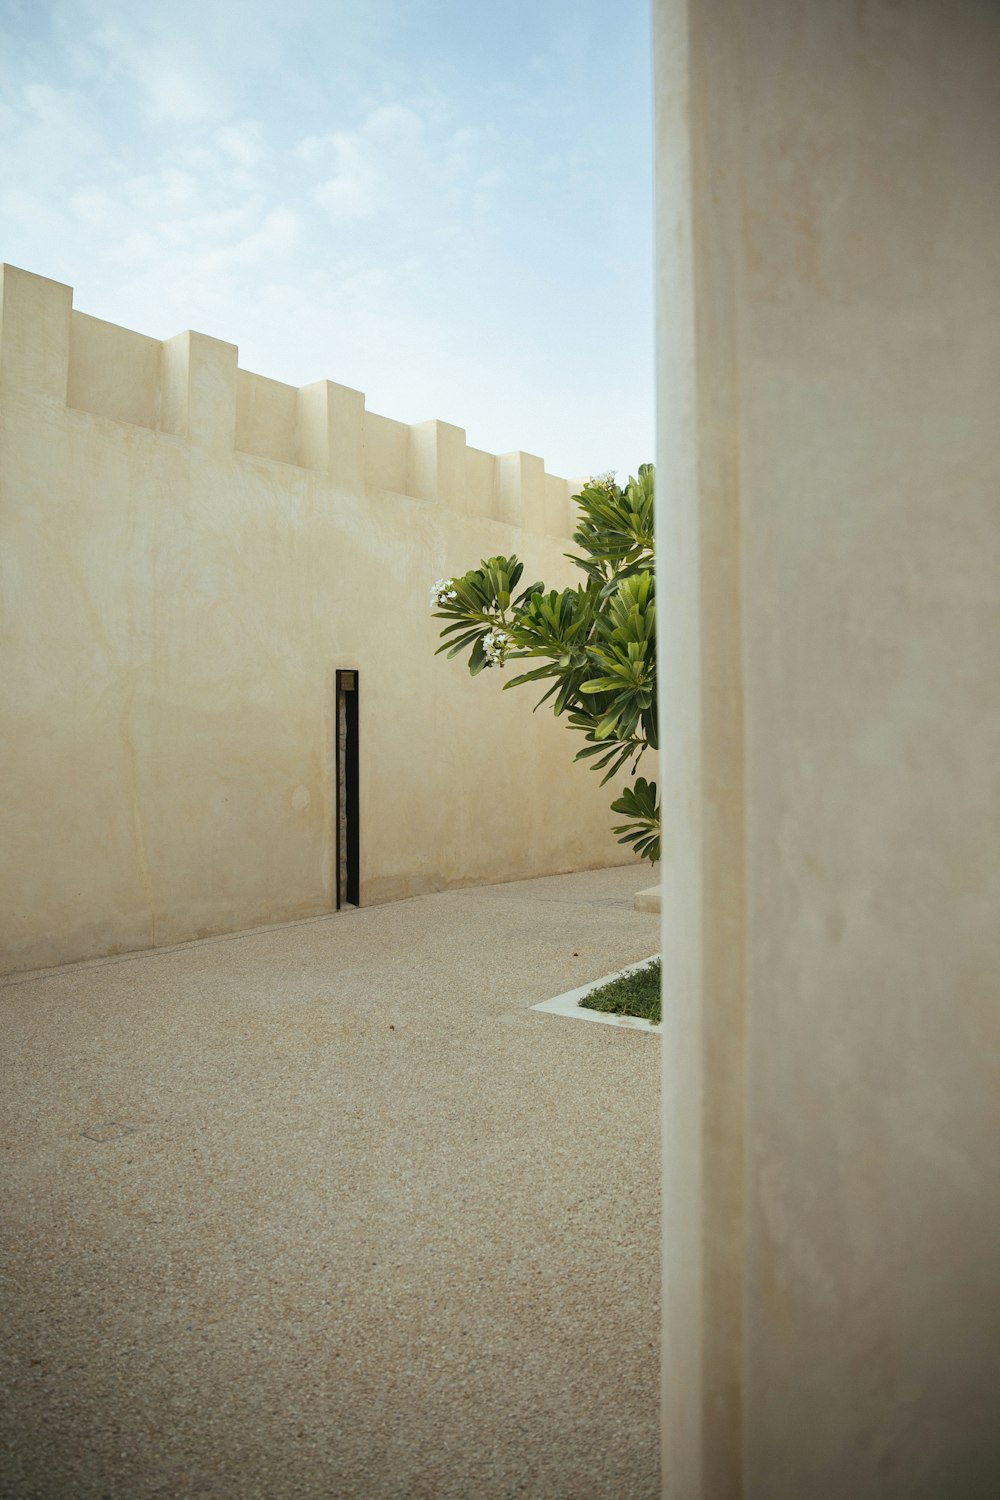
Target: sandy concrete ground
[(326, 1210)]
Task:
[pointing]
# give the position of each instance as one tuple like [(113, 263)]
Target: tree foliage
[(595, 645)]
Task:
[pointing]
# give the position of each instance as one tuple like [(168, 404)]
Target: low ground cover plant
[(633, 994)]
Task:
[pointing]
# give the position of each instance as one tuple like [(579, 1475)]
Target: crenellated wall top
[(191, 387)]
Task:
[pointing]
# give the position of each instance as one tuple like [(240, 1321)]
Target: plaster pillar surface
[(828, 217)]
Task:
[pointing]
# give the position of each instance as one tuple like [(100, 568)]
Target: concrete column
[(828, 528)]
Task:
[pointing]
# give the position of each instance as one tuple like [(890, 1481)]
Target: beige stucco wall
[(189, 552), (829, 548)]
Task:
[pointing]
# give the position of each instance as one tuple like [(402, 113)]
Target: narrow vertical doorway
[(348, 837)]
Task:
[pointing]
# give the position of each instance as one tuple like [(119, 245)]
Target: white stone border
[(569, 1004)]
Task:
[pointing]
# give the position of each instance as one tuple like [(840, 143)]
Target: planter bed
[(569, 1003)]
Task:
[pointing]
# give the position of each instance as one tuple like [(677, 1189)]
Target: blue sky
[(445, 205)]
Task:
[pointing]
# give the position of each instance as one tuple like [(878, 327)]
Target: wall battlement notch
[(191, 387)]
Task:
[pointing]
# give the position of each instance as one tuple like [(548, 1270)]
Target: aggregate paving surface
[(326, 1210)]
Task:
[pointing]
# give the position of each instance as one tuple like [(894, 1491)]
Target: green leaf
[(477, 661), (595, 645)]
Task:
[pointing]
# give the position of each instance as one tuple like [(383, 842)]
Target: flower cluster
[(496, 644), (606, 480), (443, 592)]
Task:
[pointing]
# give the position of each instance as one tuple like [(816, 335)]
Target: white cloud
[(176, 83), (399, 161), (394, 127), (93, 207), (310, 147), (31, 213), (372, 282), (278, 234), (161, 192), (149, 158), (243, 142), (347, 195), (172, 93), (47, 132), (137, 248)]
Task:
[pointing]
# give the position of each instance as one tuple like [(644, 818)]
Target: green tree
[(597, 642)]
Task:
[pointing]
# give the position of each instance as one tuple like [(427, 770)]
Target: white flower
[(607, 479), (443, 592), (496, 644)]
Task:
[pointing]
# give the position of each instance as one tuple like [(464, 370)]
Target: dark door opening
[(348, 837)]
